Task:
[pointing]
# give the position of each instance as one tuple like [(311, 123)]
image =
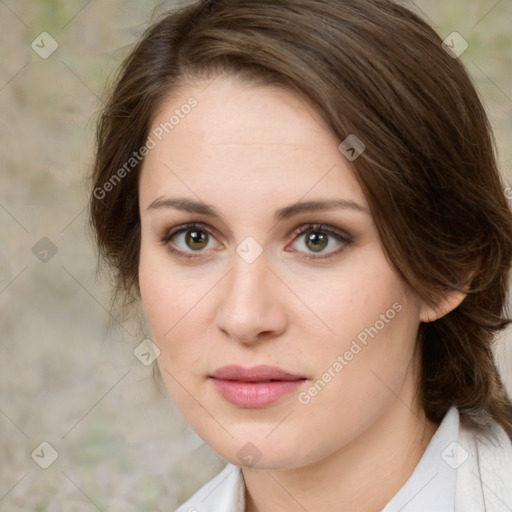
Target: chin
[(259, 453)]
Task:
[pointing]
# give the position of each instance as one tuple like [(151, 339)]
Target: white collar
[(432, 485), (433, 482), (224, 493)]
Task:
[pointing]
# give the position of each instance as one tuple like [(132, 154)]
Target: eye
[(319, 238), (186, 239)]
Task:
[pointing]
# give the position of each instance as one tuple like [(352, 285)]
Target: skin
[(249, 150)]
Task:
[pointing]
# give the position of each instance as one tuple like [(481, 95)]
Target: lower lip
[(251, 395)]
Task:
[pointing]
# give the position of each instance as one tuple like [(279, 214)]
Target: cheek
[(169, 313), (155, 292), (175, 305), (163, 304), (357, 381), (167, 296), (351, 301), (371, 319), (382, 336)]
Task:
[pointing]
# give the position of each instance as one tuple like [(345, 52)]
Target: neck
[(362, 476)]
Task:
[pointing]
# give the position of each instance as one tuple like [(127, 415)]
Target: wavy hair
[(375, 69)]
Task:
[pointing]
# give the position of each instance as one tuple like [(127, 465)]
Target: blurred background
[(112, 440)]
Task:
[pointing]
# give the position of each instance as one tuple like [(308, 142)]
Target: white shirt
[(432, 487)]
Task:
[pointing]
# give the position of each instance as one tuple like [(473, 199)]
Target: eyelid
[(169, 233), (180, 228), (341, 236), (318, 226)]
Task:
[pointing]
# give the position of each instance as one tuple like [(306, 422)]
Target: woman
[(305, 199)]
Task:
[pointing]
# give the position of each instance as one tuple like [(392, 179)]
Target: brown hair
[(429, 170)]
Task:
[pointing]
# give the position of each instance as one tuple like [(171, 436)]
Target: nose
[(250, 309)]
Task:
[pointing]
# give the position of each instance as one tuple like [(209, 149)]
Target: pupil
[(318, 241), (196, 239)]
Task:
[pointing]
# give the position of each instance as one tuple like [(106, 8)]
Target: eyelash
[(322, 228)]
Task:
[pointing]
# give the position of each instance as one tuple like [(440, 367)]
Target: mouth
[(256, 387)]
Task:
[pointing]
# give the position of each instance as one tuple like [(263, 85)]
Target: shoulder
[(223, 493), (484, 473)]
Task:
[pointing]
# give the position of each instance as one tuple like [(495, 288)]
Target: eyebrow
[(199, 207)]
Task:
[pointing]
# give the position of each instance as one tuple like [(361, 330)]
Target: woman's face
[(253, 282)]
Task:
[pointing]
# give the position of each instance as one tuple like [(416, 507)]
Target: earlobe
[(447, 302)]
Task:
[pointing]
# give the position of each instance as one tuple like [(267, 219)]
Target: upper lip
[(259, 373)]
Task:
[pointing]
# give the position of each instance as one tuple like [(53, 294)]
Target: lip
[(255, 387), (259, 373)]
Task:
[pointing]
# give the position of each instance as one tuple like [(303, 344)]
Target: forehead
[(239, 137)]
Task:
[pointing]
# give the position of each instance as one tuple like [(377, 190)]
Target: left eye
[(316, 238)]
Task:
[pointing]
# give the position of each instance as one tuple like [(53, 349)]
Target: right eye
[(185, 239)]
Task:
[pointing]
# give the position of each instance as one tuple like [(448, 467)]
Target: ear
[(449, 301)]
